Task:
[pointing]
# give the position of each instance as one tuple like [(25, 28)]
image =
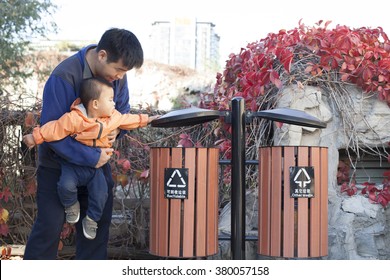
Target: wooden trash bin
[(184, 227), (291, 226)]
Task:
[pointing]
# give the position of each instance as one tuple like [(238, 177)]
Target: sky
[(236, 22)]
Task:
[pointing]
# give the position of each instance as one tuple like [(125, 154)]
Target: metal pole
[(238, 179)]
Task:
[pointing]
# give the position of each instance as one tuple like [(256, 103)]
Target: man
[(117, 52)]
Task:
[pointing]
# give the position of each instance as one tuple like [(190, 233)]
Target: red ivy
[(371, 191), (5, 194), (360, 56), (185, 141)]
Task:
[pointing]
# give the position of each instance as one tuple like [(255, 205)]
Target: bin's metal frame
[(238, 120)]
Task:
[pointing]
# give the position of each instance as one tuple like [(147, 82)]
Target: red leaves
[(185, 141), (124, 164), (375, 195), (5, 194), (350, 189), (343, 179), (4, 229), (360, 56), (31, 188), (274, 78), (285, 56), (67, 230), (29, 120)]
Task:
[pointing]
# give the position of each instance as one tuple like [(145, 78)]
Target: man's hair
[(122, 44), (91, 89)]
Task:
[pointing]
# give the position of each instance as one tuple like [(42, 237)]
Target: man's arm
[(122, 104), (58, 96)]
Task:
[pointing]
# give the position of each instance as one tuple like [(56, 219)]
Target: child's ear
[(95, 103)]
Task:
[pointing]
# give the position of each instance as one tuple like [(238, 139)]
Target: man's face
[(110, 71)]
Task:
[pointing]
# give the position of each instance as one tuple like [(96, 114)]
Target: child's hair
[(91, 89)]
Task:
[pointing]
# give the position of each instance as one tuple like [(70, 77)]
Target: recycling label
[(301, 181), (176, 183)]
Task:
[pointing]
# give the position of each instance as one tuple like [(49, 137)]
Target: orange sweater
[(89, 131)]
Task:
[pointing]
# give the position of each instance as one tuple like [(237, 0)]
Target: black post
[(238, 179)]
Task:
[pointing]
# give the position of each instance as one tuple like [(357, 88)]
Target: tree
[(20, 21)]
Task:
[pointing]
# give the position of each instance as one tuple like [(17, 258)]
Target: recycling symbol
[(176, 180), (302, 179), (176, 183)]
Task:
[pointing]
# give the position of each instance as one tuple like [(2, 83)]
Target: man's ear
[(102, 55)]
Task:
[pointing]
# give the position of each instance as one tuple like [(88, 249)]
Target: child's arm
[(128, 121), (54, 130)]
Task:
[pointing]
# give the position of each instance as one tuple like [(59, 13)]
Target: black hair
[(91, 89), (122, 44)]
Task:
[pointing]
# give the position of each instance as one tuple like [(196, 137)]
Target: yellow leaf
[(4, 215)]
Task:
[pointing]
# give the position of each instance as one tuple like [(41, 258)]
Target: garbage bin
[(184, 202), (184, 193), (293, 202)]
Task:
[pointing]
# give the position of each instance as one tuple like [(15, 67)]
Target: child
[(91, 119)]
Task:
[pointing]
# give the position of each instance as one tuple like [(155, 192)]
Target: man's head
[(118, 52), (97, 96)]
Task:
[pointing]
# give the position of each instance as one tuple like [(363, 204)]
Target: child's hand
[(151, 118), (28, 139)]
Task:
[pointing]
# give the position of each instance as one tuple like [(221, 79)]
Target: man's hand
[(105, 156), (28, 139), (112, 136)]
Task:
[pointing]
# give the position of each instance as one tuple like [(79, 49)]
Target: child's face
[(106, 102)]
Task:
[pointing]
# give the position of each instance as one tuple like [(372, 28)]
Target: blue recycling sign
[(176, 183), (301, 181)]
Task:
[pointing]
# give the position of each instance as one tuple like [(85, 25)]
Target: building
[(185, 42)]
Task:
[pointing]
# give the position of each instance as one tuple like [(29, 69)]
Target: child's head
[(97, 96)]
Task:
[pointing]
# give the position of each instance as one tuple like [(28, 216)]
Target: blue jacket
[(61, 90)]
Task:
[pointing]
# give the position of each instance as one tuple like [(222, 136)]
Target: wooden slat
[(315, 206), (303, 220), (324, 202), (189, 205), (276, 201), (264, 201), (163, 217), (212, 202), (175, 211), (201, 202), (154, 156), (288, 205)]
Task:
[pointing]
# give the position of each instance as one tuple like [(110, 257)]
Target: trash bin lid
[(185, 117), (291, 116)]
